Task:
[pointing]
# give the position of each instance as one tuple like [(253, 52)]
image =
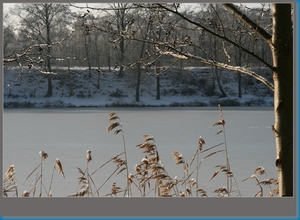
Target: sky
[(8, 6)]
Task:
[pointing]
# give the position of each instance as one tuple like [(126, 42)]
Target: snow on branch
[(221, 65), (170, 53), (235, 68)]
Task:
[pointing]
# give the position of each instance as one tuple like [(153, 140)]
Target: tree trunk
[(138, 83), (158, 87), (87, 45), (223, 93), (49, 78), (137, 94), (240, 85), (49, 91), (121, 28), (239, 75), (282, 51)]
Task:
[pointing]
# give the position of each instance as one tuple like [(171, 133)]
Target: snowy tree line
[(122, 35)]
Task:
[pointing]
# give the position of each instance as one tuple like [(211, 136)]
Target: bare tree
[(37, 24), (122, 20)]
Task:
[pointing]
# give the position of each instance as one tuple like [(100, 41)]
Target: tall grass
[(149, 177)]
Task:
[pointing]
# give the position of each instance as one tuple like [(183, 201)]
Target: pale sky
[(7, 6)]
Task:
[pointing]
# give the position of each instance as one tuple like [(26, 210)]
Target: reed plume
[(88, 156), (59, 167), (117, 124), (10, 182), (43, 155)]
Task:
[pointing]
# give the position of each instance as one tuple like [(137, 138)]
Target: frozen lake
[(68, 133)]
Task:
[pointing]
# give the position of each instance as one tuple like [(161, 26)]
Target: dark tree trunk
[(240, 85), (138, 83), (49, 91), (223, 93), (282, 49), (158, 87)]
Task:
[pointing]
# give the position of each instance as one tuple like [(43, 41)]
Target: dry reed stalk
[(43, 158), (274, 192), (151, 168), (88, 159), (253, 176), (25, 194), (51, 179), (43, 155), (182, 194), (114, 189), (201, 142), (59, 167), (83, 190), (222, 191), (221, 122), (86, 179), (269, 181), (109, 179), (178, 158), (116, 122), (105, 164), (9, 174), (203, 192), (10, 182), (112, 126), (259, 171), (88, 156)]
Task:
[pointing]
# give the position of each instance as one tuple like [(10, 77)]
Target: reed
[(116, 125), (150, 176), (10, 182)]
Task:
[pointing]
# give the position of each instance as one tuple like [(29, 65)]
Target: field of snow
[(74, 88)]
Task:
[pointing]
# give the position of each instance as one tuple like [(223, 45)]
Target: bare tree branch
[(222, 65), (245, 19), (217, 35)]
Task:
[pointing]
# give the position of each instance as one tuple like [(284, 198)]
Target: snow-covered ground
[(74, 88)]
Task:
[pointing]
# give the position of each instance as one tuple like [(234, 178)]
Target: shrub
[(209, 91), (255, 102), (117, 94), (188, 91)]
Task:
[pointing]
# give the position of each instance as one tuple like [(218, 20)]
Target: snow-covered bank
[(74, 88)]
